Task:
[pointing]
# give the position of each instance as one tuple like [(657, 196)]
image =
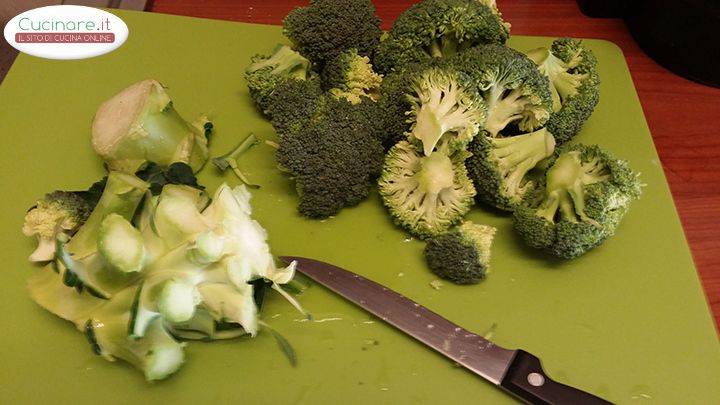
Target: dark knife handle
[(527, 380)]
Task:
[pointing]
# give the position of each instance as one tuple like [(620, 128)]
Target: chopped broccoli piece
[(266, 72), (59, 211), (574, 83), (140, 125), (514, 90), (461, 255), (333, 159), (425, 194), (351, 76), (438, 29), (444, 109), (499, 166), (587, 192), (328, 27), (230, 159)]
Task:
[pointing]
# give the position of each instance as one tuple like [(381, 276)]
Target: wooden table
[(682, 115)]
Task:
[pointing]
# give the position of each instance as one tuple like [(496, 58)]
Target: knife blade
[(515, 371)]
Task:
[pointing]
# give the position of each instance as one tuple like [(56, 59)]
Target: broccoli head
[(499, 166), (266, 72), (461, 255), (444, 108), (328, 27), (439, 29), (293, 103), (514, 90), (587, 192), (333, 158), (59, 211), (425, 194), (351, 76), (574, 85)]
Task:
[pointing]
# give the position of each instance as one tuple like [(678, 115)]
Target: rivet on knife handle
[(527, 380)]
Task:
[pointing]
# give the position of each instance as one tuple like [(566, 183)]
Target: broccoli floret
[(333, 158), (351, 76), (574, 83), (59, 211), (438, 29), (499, 166), (444, 108), (587, 192), (514, 90), (461, 255), (266, 72), (293, 103), (140, 125), (394, 103), (328, 27), (425, 194)]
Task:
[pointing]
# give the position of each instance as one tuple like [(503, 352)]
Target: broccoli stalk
[(587, 192), (499, 166), (461, 255), (140, 125), (425, 194), (443, 107), (120, 244), (229, 160)]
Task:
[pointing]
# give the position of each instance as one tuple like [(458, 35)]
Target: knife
[(515, 371)]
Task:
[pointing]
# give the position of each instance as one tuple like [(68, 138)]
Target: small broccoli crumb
[(436, 284)]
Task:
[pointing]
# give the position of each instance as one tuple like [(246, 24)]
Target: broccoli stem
[(517, 155), (139, 125), (504, 110), (229, 160)]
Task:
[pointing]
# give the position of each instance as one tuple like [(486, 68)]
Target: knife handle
[(526, 379)]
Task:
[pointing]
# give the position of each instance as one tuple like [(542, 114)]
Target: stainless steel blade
[(464, 347)]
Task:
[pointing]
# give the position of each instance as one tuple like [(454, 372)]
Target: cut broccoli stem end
[(436, 173)]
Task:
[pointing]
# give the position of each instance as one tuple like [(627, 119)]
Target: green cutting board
[(627, 321)]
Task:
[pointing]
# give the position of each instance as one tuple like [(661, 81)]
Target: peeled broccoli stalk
[(587, 192), (59, 211), (156, 354), (326, 28), (266, 72), (140, 125), (230, 159), (177, 218), (204, 326), (434, 29), (351, 76), (120, 244), (177, 300), (574, 83), (209, 248), (232, 304), (499, 166), (515, 92), (443, 109), (461, 255), (425, 194)]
